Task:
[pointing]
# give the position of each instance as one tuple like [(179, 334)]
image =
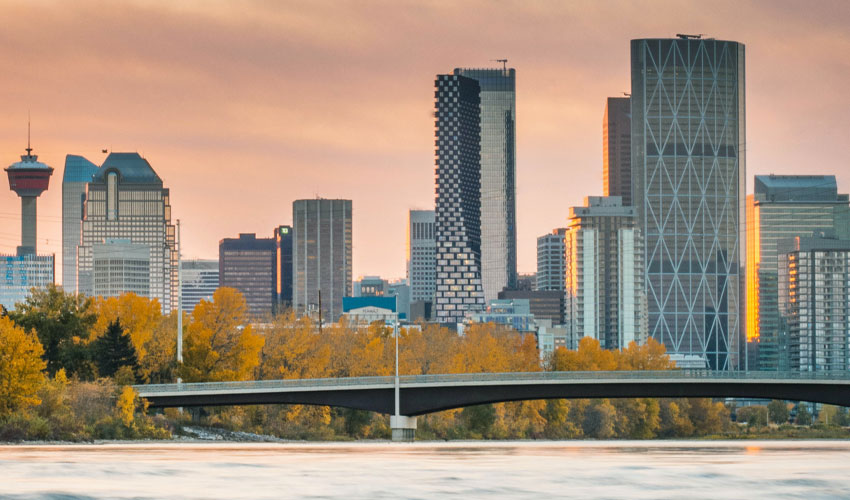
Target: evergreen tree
[(114, 349)]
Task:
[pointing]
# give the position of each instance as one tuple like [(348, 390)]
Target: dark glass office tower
[(458, 198), (498, 177), (688, 186), (283, 271), (247, 264), (616, 149)]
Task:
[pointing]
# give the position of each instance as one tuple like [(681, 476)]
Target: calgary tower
[(28, 178)]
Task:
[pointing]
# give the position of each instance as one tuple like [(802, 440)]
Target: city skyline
[(193, 115)]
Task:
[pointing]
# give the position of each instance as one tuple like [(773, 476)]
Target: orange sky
[(242, 107)]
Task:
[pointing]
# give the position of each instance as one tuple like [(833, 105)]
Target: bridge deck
[(422, 394)]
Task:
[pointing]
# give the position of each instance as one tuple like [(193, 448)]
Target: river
[(539, 470)]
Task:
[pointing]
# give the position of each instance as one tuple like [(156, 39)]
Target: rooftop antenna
[(504, 63), (29, 147), (627, 94)]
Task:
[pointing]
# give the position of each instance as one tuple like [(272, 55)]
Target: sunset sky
[(242, 107)]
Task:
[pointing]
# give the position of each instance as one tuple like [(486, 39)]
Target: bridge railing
[(260, 385)]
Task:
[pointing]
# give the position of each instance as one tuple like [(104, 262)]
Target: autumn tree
[(20, 368), (140, 317), (778, 411), (114, 350), (62, 322), (220, 343), (294, 349)]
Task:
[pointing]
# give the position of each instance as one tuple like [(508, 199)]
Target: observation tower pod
[(28, 178)]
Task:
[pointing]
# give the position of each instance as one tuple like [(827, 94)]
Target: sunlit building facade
[(604, 267), (782, 207), (497, 124), (458, 198), (814, 303), (688, 186), (19, 274), (126, 200), (119, 267)]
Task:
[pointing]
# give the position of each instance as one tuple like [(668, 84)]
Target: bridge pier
[(403, 427)]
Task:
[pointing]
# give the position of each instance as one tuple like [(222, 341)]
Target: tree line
[(67, 361)]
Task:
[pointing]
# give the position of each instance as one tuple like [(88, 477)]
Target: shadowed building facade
[(321, 256), (497, 124), (616, 149), (78, 173), (248, 264), (688, 186), (458, 198)]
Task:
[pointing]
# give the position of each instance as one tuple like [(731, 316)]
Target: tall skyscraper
[(814, 302), (283, 237), (781, 207), (126, 201), (200, 281), (78, 173), (26, 269), (458, 198), (322, 255), (248, 264), (497, 129), (551, 260), (616, 149), (605, 298), (421, 255), (688, 186)]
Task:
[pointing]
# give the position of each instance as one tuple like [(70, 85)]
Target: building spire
[(29, 147)]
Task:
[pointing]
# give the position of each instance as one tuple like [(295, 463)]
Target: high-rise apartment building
[(814, 303), (551, 260), (782, 207), (78, 173), (497, 128), (200, 281), (617, 149), (458, 198), (126, 200), (688, 187), (248, 264), (322, 256), (283, 237), (604, 277), (421, 255)]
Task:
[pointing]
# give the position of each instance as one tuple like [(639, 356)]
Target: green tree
[(114, 350), (778, 412), (20, 368), (599, 420), (62, 322), (479, 419), (804, 415)]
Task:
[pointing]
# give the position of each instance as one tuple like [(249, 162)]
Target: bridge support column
[(404, 428)]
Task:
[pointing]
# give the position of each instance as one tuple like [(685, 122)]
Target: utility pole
[(397, 388), (179, 298), (320, 312)]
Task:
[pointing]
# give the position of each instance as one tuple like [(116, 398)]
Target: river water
[(539, 470)]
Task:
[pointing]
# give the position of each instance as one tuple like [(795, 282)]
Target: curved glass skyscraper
[(688, 183)]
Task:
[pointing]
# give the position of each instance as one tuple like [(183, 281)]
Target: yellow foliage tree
[(588, 357), (293, 349), (140, 317), (21, 368), (220, 344), (125, 407)]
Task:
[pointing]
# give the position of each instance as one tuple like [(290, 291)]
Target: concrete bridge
[(422, 394)]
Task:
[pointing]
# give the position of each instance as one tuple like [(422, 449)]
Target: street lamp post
[(403, 427), (179, 299)]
